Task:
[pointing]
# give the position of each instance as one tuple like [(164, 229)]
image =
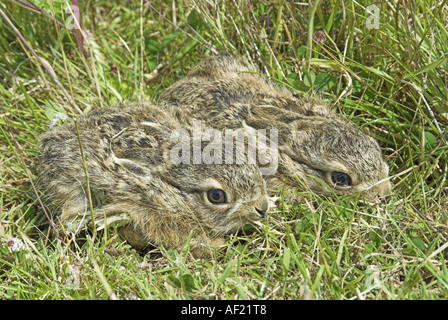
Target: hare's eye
[(216, 196), (341, 179)]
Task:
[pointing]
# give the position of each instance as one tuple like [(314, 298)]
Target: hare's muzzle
[(380, 192), (261, 213), (383, 190), (262, 206)]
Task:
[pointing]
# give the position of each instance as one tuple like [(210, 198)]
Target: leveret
[(318, 150), (127, 154)]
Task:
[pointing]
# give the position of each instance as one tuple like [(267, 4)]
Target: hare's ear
[(215, 66), (156, 130), (139, 149), (292, 129), (319, 109), (133, 166), (267, 116)]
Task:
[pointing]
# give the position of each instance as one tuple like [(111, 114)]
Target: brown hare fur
[(318, 150), (127, 155)]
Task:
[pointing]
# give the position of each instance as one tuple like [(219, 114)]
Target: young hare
[(317, 149), (128, 155)]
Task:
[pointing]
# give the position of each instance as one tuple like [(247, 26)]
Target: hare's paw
[(204, 249), (134, 238)]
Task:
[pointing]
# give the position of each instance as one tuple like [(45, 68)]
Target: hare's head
[(224, 197), (217, 177), (185, 184), (191, 167), (327, 154)]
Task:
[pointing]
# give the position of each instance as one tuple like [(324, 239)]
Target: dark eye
[(216, 196), (341, 179)]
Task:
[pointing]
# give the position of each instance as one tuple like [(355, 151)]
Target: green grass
[(391, 82)]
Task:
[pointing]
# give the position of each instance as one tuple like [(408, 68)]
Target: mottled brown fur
[(126, 152), (313, 141)]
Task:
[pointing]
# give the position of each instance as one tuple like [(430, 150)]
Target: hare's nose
[(262, 206), (261, 213), (384, 191)]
